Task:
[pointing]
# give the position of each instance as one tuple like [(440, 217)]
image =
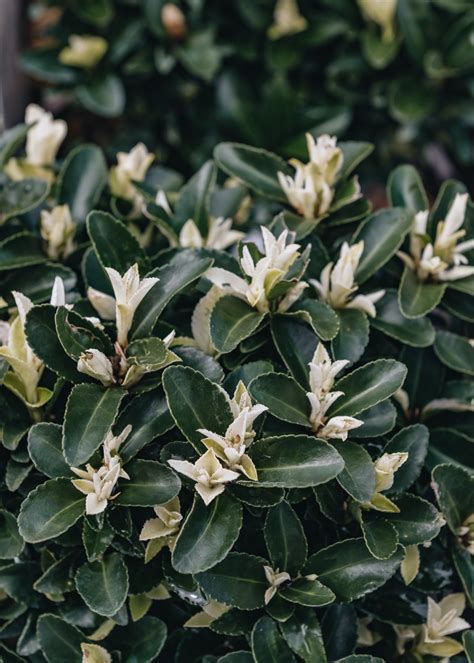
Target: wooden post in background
[(13, 83)]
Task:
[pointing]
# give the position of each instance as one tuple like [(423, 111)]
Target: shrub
[(218, 412), (193, 73)]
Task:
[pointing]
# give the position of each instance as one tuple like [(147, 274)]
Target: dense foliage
[(237, 417), (189, 74)]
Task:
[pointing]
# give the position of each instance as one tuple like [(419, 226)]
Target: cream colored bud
[(174, 21)]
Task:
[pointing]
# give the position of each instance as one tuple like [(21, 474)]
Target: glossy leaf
[(239, 580), (358, 476), (283, 396), (90, 413), (257, 168), (150, 483), (49, 510), (268, 644), (45, 450), (232, 321), (295, 461), (367, 386), (81, 180), (418, 332), (455, 351), (208, 533), (285, 539), (417, 298), (103, 585), (350, 570)]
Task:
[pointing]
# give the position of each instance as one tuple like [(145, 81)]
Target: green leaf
[(96, 541), (417, 522), (239, 580), (414, 441), (208, 533), (279, 609), (149, 417), (455, 351), (296, 344), (49, 510), (103, 585), (378, 420), (194, 198), (150, 483), (381, 538), (142, 641), (18, 197), (283, 396), (382, 234), (349, 569), (358, 476), (42, 338), (237, 657), (417, 298), (354, 152), (57, 577), (82, 179), (454, 490), (10, 141), (418, 332), (295, 461), (255, 167), (309, 593), (302, 633), (77, 334), (443, 202), (11, 542), (45, 450), (20, 250), (120, 254), (59, 640), (320, 316), (468, 642), (285, 539), (195, 402), (37, 282), (232, 321), (103, 96), (368, 385), (353, 335), (447, 445), (268, 646), (90, 413), (405, 189), (178, 274)]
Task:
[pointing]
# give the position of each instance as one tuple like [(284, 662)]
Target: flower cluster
[(322, 374), (99, 485), (311, 191), (263, 273), (442, 259), (337, 284)]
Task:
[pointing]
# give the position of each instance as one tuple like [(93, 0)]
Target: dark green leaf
[(367, 386), (49, 510), (103, 585), (349, 569), (90, 413), (255, 167), (150, 483), (358, 476), (302, 633), (283, 396), (45, 449), (81, 180), (285, 539), (239, 580), (382, 234), (268, 646), (103, 96), (59, 640), (232, 321), (405, 189), (380, 537), (414, 441), (417, 298), (120, 254), (309, 593), (353, 335), (418, 332), (208, 533), (295, 461), (195, 402), (455, 351)]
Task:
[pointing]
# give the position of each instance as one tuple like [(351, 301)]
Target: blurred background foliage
[(182, 76)]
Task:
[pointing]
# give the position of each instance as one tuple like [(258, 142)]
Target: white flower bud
[(95, 363)]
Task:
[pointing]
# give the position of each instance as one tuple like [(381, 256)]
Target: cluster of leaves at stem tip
[(237, 414), (191, 73)]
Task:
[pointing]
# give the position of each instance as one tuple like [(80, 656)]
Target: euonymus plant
[(185, 73), (237, 414)]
